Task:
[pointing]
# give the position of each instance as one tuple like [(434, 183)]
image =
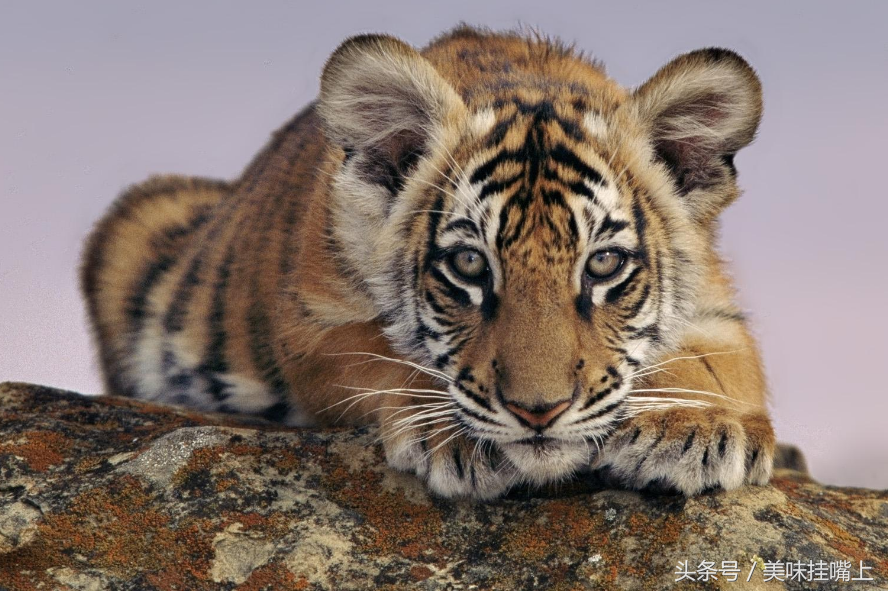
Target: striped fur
[(323, 285)]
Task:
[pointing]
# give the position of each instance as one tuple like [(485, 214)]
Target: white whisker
[(426, 414), (687, 391), (430, 434), (376, 356), (411, 427), (632, 375), (365, 393)]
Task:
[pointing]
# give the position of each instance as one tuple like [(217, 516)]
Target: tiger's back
[(182, 276)]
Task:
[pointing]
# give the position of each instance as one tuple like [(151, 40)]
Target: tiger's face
[(535, 247), (540, 287)]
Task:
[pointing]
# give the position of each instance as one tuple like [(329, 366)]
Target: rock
[(109, 493)]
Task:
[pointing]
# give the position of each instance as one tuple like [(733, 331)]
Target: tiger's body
[(335, 280)]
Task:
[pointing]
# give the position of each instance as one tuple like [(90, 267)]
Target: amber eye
[(469, 263), (605, 263)]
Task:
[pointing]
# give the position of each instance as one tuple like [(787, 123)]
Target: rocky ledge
[(108, 493)]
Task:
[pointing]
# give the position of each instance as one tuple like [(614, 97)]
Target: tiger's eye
[(605, 263), (469, 263)]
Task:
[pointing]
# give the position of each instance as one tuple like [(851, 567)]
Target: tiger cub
[(487, 247)]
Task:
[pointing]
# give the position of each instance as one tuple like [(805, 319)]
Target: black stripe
[(433, 303), (647, 454), (563, 156), (483, 172), (570, 128), (596, 398), (583, 304), (174, 318), (722, 445), (456, 348), (432, 236), (640, 223), (499, 131), (474, 397), (455, 293), (424, 331), (261, 350), (135, 307), (457, 462), (446, 322), (651, 331), (495, 187), (214, 360), (689, 442), (489, 304), (277, 412), (602, 412), (617, 291), (478, 417), (722, 314), (638, 305), (580, 188), (711, 371), (610, 226), (462, 224)]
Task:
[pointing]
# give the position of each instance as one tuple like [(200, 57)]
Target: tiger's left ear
[(382, 101), (700, 109)]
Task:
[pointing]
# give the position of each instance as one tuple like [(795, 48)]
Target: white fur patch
[(541, 465), (608, 196), (482, 122), (595, 124)]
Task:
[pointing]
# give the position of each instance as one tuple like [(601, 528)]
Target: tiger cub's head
[(537, 234)]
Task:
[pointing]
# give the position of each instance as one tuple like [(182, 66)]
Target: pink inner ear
[(708, 110), (689, 143)]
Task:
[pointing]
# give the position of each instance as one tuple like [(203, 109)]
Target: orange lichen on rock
[(398, 525), (558, 527), (40, 449), (271, 577)]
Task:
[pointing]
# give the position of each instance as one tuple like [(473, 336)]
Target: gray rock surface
[(107, 493)]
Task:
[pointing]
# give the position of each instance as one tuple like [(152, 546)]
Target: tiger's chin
[(548, 460)]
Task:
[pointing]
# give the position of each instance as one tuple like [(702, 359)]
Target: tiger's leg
[(716, 432), (426, 439), (411, 405)]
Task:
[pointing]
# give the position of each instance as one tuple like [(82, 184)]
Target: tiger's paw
[(452, 466), (690, 450)]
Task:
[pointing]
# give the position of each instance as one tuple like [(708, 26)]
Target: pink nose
[(538, 418)]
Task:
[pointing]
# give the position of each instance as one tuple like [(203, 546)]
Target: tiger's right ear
[(383, 101), (700, 109)]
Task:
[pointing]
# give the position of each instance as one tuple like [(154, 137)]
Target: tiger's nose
[(538, 417)]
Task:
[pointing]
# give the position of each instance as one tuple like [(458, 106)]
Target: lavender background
[(94, 96)]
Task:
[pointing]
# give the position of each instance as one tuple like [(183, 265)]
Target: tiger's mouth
[(539, 441)]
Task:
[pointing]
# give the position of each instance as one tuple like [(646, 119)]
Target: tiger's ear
[(700, 109), (381, 100)]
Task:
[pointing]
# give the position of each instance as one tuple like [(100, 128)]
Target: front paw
[(452, 465), (691, 449)]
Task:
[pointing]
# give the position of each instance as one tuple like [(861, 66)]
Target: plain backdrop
[(94, 96)]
